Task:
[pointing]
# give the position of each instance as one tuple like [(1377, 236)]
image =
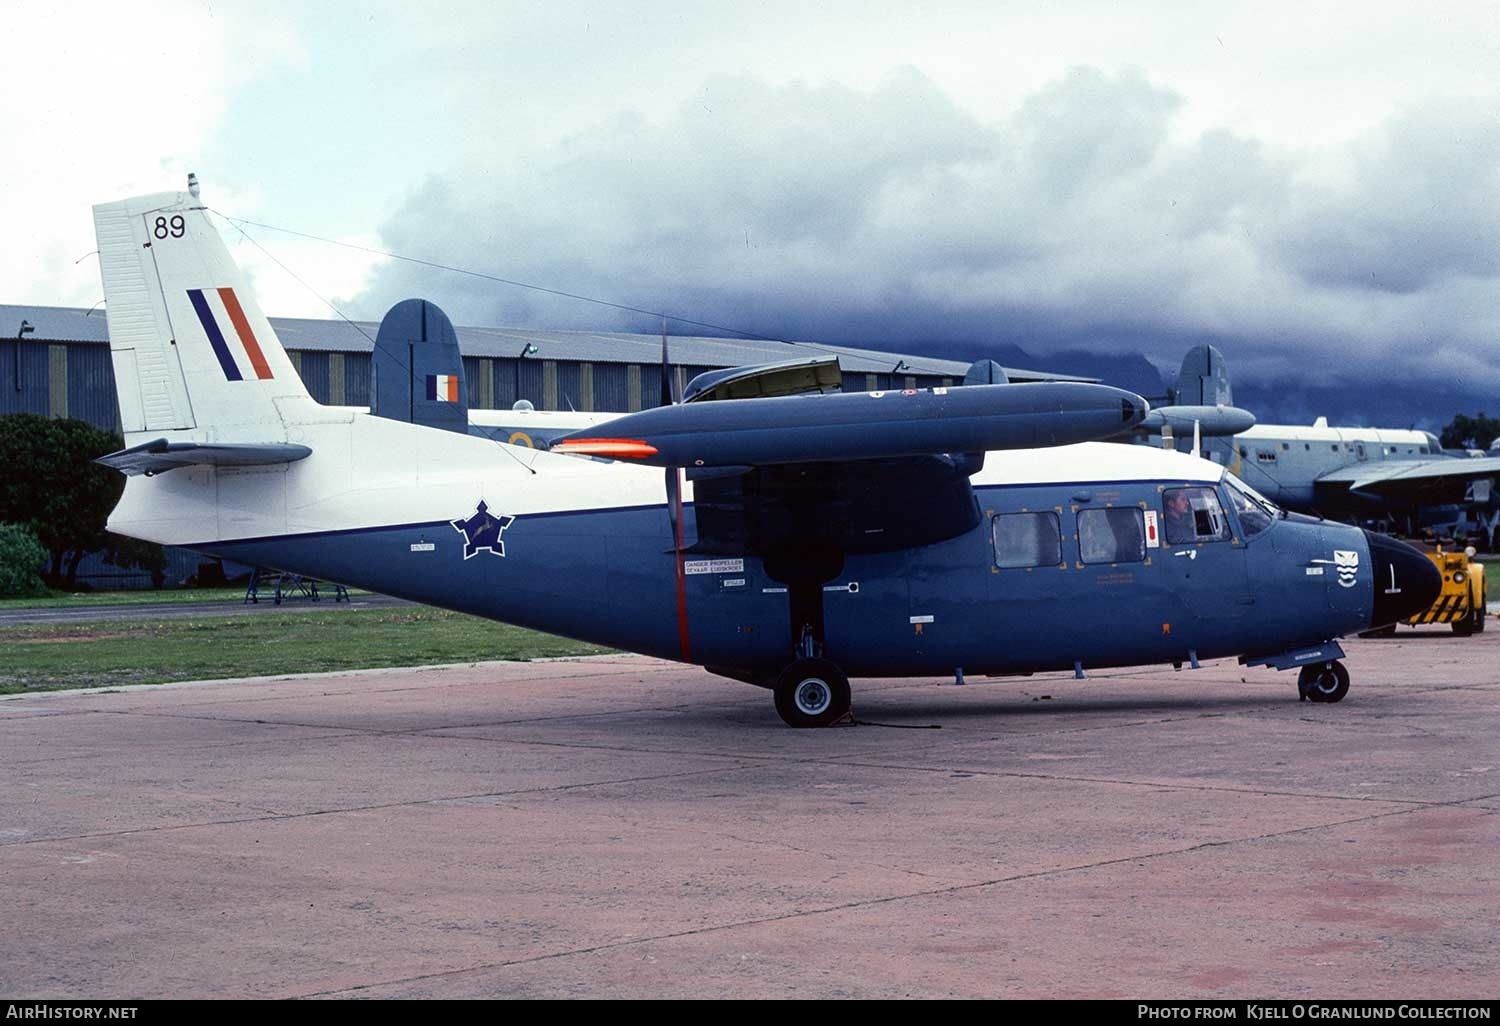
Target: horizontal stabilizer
[(863, 425), (161, 455)]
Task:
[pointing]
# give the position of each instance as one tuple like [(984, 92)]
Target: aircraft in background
[(788, 540), (1401, 477)]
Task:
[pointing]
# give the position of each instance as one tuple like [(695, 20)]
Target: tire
[(1464, 627), (1326, 683), (812, 693)]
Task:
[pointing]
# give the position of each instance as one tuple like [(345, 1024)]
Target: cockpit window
[(1256, 512), (1111, 535), (1193, 515)]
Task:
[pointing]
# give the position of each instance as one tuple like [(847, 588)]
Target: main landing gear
[(1324, 682), (812, 693)]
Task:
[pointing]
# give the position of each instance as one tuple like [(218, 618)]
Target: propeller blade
[(674, 501)]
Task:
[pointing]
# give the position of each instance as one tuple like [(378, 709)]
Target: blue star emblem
[(482, 531)]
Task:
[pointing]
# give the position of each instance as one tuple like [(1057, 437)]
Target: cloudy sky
[(1314, 187)]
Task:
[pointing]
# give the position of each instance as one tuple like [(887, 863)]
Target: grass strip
[(151, 597), (110, 653)]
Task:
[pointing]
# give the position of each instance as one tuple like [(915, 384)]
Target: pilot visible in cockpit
[(1179, 518)]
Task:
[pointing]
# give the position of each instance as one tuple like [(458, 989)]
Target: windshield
[(1256, 512)]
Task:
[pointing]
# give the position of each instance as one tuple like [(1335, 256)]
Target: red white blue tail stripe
[(241, 358)]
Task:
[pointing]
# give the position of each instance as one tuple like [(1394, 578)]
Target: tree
[(48, 480), (21, 557), (1465, 432)]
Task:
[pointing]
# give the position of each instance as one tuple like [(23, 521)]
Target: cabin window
[(1027, 539), (1256, 512), (1286, 446), (1111, 535), (1265, 455), (1192, 515)]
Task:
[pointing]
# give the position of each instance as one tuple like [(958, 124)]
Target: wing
[(1413, 482), (849, 426), (850, 472)]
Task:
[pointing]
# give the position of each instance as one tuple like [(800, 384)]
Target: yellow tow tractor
[(1462, 600)]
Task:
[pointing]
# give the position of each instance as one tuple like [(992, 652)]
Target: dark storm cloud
[(893, 218)]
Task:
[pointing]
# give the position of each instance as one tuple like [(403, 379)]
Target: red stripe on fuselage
[(682, 624), (242, 328)]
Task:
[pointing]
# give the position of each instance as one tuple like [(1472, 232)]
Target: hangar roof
[(69, 324)]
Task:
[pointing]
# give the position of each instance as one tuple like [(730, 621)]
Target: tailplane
[(195, 359)]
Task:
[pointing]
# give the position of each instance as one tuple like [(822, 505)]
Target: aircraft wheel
[(812, 693), (1326, 683)]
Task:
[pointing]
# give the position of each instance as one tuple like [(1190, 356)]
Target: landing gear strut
[(1325, 682), (812, 693)]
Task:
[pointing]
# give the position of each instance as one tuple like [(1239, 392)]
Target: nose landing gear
[(1324, 682)]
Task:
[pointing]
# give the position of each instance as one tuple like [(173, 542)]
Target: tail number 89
[(174, 228)]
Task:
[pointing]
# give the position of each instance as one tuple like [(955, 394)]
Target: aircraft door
[(1124, 607), (1203, 563), (1032, 584)]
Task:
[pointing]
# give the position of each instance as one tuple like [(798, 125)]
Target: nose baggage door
[(1347, 573)]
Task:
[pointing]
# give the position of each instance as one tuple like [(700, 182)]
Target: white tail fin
[(194, 357)]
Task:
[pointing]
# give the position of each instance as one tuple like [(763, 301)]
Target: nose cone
[(1406, 581)]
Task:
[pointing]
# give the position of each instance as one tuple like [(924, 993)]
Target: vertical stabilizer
[(417, 372), (194, 357), (1204, 379)]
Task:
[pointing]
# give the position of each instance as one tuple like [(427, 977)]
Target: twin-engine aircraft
[(790, 541), (1399, 476)]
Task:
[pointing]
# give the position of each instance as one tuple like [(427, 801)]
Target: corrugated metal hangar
[(59, 364), (54, 361)]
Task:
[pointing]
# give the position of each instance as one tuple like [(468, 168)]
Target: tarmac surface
[(621, 827)]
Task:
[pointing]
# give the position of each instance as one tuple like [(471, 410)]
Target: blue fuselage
[(610, 577)]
